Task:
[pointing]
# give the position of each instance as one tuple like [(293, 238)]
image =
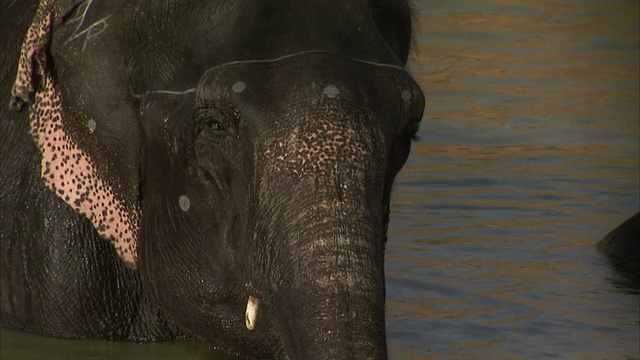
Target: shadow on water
[(529, 155)]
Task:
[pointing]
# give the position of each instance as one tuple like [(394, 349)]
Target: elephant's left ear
[(32, 51), (66, 168)]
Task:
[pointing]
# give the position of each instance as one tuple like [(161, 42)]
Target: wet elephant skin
[(255, 170)]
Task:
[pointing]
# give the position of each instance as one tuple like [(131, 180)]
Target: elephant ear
[(67, 169)]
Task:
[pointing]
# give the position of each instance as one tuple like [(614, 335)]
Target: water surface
[(529, 155)]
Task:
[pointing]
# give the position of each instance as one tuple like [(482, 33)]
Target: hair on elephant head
[(238, 157)]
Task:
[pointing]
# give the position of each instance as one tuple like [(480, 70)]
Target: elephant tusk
[(252, 312)]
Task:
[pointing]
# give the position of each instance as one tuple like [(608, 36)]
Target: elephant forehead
[(321, 142), (329, 144)]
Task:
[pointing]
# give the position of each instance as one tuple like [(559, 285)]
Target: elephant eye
[(214, 120)]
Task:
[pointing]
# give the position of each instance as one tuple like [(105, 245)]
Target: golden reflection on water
[(530, 154), (541, 51)]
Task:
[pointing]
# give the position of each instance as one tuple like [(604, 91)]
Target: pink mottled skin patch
[(321, 143), (66, 169)]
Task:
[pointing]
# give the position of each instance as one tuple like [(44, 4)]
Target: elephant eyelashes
[(215, 120), (411, 130)]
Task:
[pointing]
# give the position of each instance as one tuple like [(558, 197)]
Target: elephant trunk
[(341, 315), (332, 292), (330, 275)]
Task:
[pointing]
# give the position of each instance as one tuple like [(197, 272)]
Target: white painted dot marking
[(238, 87), (331, 91), (406, 95), (91, 124), (184, 203)]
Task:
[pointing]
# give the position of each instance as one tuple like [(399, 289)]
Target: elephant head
[(240, 156)]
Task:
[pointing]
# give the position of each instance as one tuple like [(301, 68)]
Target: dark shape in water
[(622, 247)]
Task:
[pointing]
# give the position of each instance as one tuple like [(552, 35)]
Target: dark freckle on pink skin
[(76, 182)]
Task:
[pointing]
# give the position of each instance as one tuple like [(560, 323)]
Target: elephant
[(622, 247), (204, 170)]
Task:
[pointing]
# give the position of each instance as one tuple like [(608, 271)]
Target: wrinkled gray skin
[(253, 143)]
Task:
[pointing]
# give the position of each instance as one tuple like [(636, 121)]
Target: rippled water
[(529, 155)]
